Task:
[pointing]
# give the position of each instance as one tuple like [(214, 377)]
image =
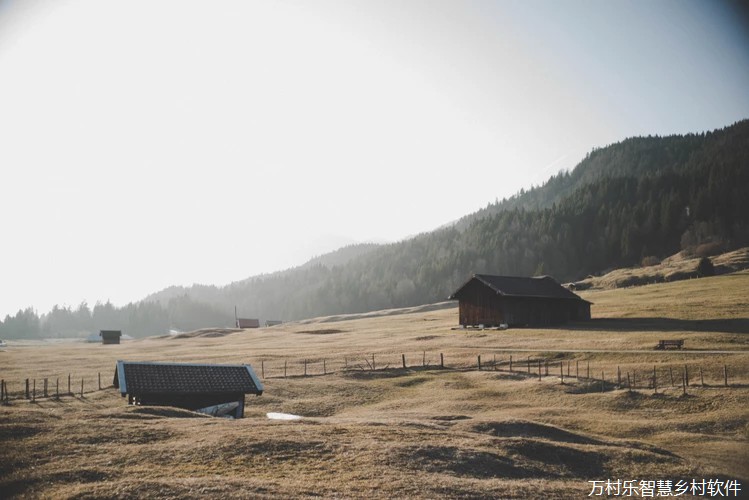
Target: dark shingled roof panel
[(185, 378), (517, 286)]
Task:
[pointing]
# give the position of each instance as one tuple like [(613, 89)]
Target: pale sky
[(153, 143)]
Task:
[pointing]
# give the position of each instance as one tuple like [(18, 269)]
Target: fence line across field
[(655, 379)]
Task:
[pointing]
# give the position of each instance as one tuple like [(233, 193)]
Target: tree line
[(135, 319)]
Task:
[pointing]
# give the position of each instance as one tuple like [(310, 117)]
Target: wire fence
[(587, 375)]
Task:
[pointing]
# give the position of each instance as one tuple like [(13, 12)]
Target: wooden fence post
[(655, 381), (305, 367), (561, 371), (539, 370), (69, 392), (33, 393), (424, 359), (373, 363), (588, 369), (546, 367), (510, 363), (725, 375), (2, 390), (603, 381), (324, 368), (671, 374), (479, 362), (529, 364), (686, 375), (262, 368), (57, 388), (28, 396), (46, 385), (284, 368), (577, 369), (403, 360), (81, 387), (702, 379), (568, 368), (442, 360), (99, 380)]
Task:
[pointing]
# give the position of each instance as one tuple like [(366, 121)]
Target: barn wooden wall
[(480, 305)]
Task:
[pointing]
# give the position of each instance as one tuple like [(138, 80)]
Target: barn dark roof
[(518, 286), (184, 378)]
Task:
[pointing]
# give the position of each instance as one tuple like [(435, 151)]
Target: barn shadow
[(736, 325)]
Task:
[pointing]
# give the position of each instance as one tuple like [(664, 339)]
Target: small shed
[(248, 323), (217, 390), (491, 300), (110, 336)]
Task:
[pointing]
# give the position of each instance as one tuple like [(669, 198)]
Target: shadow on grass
[(738, 325)]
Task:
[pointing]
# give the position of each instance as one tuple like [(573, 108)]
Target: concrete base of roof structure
[(210, 404)]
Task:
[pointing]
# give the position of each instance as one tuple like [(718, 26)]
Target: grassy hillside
[(422, 431), (675, 268)]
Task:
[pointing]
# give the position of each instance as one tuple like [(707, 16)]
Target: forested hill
[(633, 157), (645, 197), (642, 197)]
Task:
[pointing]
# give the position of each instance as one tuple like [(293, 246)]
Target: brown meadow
[(419, 431)]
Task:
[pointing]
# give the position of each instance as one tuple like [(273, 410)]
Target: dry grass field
[(422, 431)]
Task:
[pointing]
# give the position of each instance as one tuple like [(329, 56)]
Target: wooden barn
[(217, 390), (248, 323), (517, 301), (110, 336)]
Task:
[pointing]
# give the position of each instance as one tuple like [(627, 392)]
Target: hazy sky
[(150, 143)]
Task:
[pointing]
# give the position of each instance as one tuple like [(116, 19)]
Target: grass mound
[(529, 429), (460, 461)]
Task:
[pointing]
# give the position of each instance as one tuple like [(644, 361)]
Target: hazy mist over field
[(148, 144)]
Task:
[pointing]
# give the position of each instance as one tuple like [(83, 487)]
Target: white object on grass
[(282, 416)]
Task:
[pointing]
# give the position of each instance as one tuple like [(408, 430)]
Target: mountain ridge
[(643, 198), (635, 166)]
